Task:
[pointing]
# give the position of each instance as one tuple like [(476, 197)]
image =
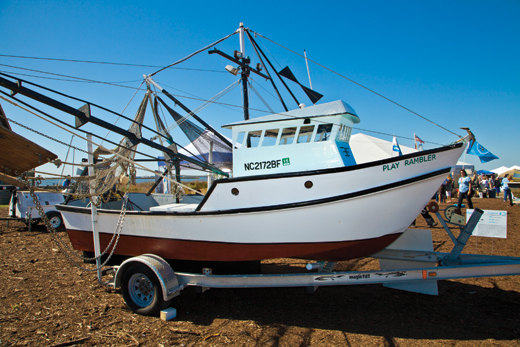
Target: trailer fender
[(165, 274)]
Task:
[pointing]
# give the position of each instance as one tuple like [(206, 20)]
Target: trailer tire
[(55, 219), (142, 291)]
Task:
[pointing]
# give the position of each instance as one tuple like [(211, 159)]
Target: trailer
[(148, 283)]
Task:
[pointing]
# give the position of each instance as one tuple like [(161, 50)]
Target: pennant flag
[(396, 150), (417, 139), (477, 149)]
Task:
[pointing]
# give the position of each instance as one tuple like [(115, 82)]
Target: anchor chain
[(64, 246)]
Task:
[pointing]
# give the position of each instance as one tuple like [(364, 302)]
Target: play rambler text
[(407, 162)]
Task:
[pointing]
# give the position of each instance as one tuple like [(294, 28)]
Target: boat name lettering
[(389, 167), (359, 277), (419, 160), (261, 165)]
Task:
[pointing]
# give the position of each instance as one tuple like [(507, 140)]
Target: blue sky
[(453, 62)]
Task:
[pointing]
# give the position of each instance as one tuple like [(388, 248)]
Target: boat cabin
[(310, 138)]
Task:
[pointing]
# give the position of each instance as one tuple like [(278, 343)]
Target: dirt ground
[(47, 301)]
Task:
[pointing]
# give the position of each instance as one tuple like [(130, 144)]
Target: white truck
[(22, 206)]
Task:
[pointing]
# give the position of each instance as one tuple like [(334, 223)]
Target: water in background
[(55, 181)]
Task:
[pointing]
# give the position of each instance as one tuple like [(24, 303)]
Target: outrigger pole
[(84, 116), (149, 80)]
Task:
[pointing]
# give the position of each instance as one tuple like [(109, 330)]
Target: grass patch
[(144, 187)]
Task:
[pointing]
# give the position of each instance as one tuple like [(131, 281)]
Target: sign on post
[(491, 224)]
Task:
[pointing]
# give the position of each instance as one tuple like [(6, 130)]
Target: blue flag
[(396, 150), (477, 149)]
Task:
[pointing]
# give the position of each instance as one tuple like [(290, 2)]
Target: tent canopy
[(368, 148)]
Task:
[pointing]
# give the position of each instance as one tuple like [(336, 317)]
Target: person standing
[(441, 193), (507, 190), (449, 188), (485, 185), (465, 185), (497, 185)]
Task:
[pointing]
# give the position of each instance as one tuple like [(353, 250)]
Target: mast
[(244, 72)]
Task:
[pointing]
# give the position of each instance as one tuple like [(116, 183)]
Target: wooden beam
[(19, 154)]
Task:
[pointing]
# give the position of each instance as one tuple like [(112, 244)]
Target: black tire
[(55, 219), (142, 291)]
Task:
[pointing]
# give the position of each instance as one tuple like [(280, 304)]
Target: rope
[(360, 85), (194, 53)]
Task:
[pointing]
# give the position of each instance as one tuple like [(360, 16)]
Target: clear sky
[(456, 63)]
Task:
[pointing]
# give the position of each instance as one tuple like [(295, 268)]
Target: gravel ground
[(47, 301)]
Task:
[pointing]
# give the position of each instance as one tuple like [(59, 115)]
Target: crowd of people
[(482, 186)]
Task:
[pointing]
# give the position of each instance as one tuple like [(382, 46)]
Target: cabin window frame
[(237, 139), (259, 138), (329, 132), (311, 136), (293, 137), (275, 138)]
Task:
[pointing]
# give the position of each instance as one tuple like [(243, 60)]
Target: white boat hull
[(347, 213)]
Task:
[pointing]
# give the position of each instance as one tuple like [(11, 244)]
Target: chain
[(68, 251), (41, 134)]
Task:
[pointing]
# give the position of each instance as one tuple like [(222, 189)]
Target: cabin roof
[(328, 109)]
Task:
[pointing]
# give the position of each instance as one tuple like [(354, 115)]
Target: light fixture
[(232, 70)]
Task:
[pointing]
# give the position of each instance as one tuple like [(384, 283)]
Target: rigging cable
[(360, 85), (124, 109), (204, 105), (87, 102), (62, 122), (259, 96), (47, 136), (194, 53), (92, 142)]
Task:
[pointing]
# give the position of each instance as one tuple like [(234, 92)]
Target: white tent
[(368, 148), (503, 169)]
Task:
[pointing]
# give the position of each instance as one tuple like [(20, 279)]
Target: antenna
[(308, 72)]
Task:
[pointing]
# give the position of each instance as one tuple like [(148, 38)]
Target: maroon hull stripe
[(216, 251)]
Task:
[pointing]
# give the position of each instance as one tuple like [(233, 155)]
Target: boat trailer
[(148, 283)]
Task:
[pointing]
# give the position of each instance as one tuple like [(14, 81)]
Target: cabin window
[(287, 136), (253, 138), (270, 137), (305, 134), (240, 139), (344, 133), (323, 133)]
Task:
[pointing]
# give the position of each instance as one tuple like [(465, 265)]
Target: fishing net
[(205, 142), (115, 169)]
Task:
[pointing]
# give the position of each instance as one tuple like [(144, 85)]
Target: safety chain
[(64, 246), (51, 138)]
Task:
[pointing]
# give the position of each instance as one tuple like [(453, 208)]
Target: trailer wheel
[(55, 219), (142, 291)]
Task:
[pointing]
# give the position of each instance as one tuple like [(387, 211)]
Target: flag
[(417, 139), (396, 150), (477, 149)]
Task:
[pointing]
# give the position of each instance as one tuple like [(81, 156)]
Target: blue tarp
[(485, 172)]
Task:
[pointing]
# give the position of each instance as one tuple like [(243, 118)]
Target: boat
[(296, 193), (297, 190)]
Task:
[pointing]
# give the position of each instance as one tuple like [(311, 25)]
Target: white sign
[(491, 224)]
